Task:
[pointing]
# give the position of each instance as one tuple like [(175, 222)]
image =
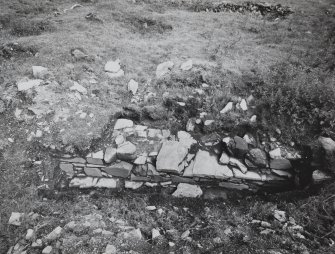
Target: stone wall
[(141, 156)]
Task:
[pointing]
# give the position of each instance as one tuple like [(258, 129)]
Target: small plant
[(23, 27)]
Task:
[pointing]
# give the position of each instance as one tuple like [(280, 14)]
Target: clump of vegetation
[(301, 101), (23, 27)]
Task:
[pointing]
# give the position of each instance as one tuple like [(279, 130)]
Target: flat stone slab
[(250, 175), (95, 161), (207, 165), (280, 164), (95, 172), (73, 160), (123, 123), (67, 168), (170, 156), (121, 169), (185, 190)]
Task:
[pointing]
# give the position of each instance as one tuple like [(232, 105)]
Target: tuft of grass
[(23, 27)]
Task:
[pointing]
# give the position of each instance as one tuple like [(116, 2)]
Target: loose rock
[(187, 190)]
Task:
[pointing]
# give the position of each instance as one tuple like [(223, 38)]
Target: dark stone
[(240, 147), (95, 161), (139, 178), (281, 164), (257, 157), (95, 172), (179, 179), (121, 169)]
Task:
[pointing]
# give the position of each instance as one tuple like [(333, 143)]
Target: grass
[(288, 65)]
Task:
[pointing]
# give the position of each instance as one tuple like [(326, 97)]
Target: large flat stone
[(170, 156), (94, 161), (109, 183), (123, 123), (207, 165), (73, 160), (83, 182), (121, 169), (126, 151)]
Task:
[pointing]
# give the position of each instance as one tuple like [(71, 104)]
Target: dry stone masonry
[(146, 157)]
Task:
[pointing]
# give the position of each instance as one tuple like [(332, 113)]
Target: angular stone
[(282, 173), (83, 182), (140, 160), (123, 123), (121, 169), (328, 149), (132, 86), (243, 105), (15, 219), (186, 66), (79, 88), (98, 155), (185, 190), (113, 66), (237, 163), (186, 139), (170, 156), (206, 165), (94, 161), (240, 147), (280, 164), (26, 84), (47, 250), (227, 108), (54, 234), (319, 176), (154, 133), (126, 151), (258, 157), (188, 172), (250, 175), (113, 75), (40, 72), (74, 160), (95, 172), (164, 68), (236, 186), (110, 155), (109, 183), (133, 185), (152, 171), (275, 154), (67, 168), (224, 159)]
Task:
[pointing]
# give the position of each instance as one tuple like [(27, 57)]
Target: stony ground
[(166, 65)]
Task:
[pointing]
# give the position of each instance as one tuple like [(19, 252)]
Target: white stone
[(26, 84), (155, 233), (123, 123), (275, 154), (237, 163), (187, 190), (164, 68), (186, 66), (208, 122), (151, 208), (110, 249), (206, 165), (132, 185), (79, 88), (253, 119), (186, 139), (54, 234), (227, 108), (171, 244), (141, 160), (281, 173), (132, 86), (15, 219), (243, 105), (40, 72), (47, 250), (118, 74), (224, 159), (280, 215), (30, 234), (98, 155), (37, 243), (83, 115), (113, 66)]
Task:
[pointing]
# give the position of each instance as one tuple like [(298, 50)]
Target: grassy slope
[(236, 42)]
